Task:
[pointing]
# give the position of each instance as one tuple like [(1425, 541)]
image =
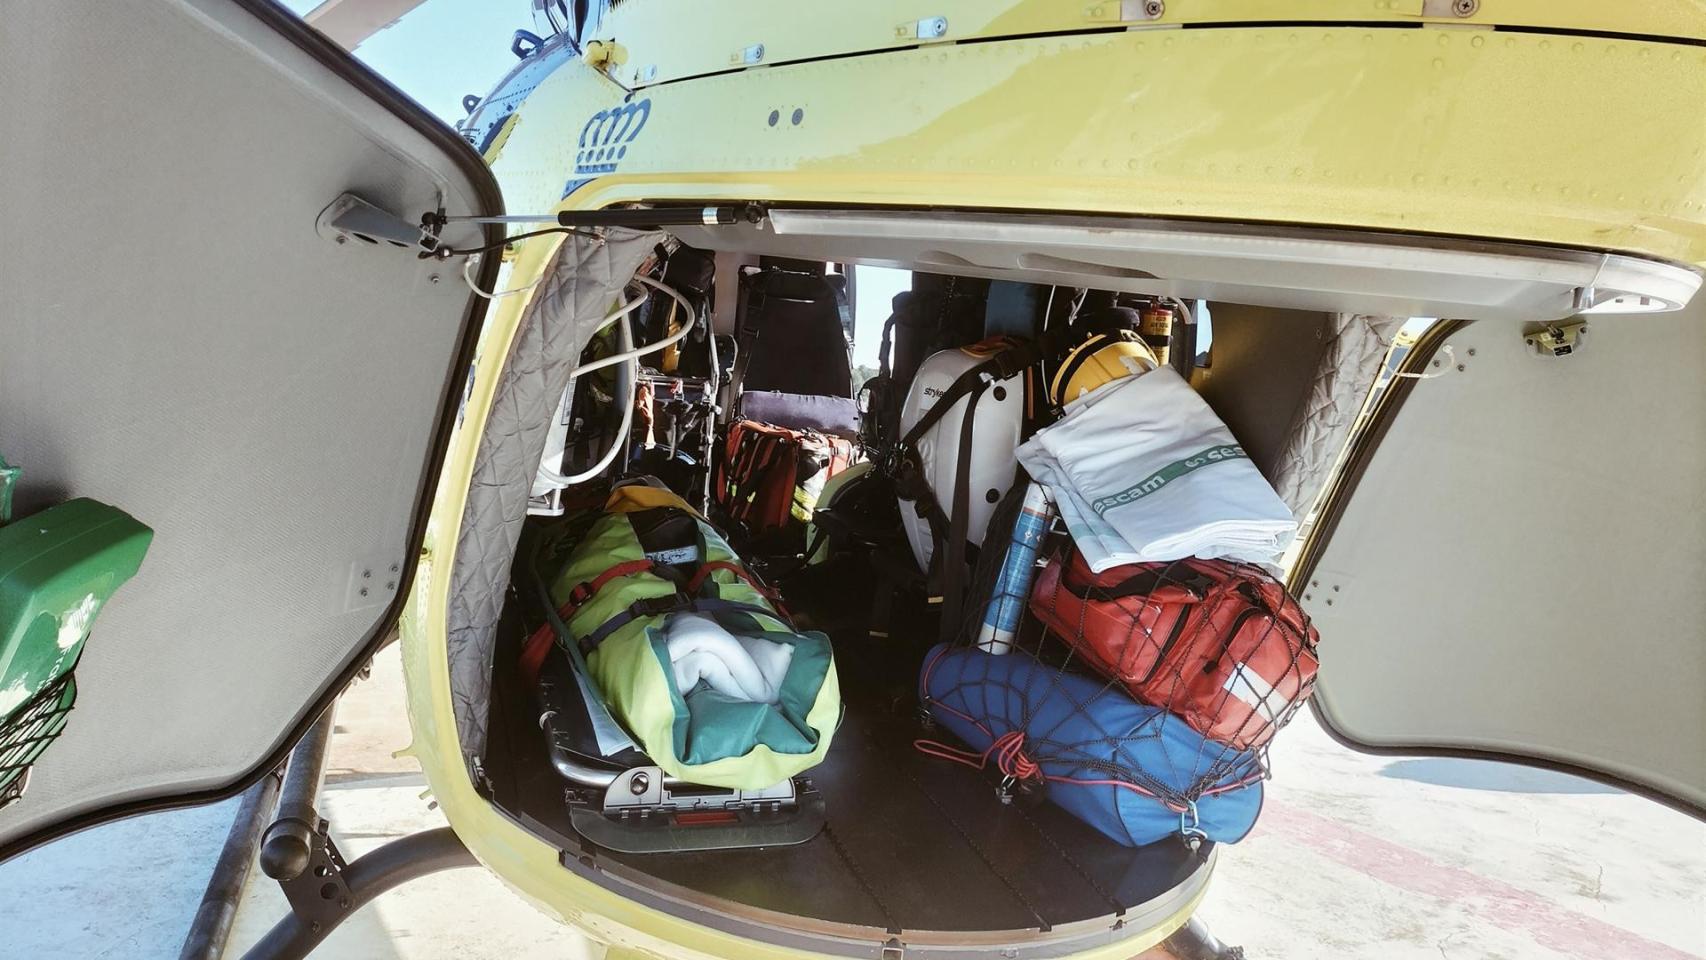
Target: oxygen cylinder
[(1013, 585), (1157, 330), (997, 424)]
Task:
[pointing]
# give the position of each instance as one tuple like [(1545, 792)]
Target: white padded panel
[(176, 339), (1519, 570), (1258, 379), (563, 314)]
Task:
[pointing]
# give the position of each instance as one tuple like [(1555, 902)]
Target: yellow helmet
[(1103, 358)]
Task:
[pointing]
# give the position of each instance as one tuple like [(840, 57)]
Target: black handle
[(1142, 585), (526, 38)]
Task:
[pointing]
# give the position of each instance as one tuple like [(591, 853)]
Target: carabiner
[(1190, 827)]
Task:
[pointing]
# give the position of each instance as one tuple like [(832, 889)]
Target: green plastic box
[(58, 567)]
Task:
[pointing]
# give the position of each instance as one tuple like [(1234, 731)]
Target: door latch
[(1557, 339)]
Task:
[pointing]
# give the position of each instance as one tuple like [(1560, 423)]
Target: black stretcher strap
[(674, 603)]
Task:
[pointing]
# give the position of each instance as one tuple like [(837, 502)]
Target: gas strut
[(664, 216), (639, 218)]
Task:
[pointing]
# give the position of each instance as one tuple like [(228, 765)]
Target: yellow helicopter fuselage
[(1543, 121)]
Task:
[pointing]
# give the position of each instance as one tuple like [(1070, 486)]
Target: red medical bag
[(1219, 644)]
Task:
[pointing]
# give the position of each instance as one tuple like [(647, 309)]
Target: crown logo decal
[(605, 137)]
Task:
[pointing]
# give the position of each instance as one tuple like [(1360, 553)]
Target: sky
[(444, 49)]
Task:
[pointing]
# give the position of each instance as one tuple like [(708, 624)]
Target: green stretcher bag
[(616, 577), (58, 567)]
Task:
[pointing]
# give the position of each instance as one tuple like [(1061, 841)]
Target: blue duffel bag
[(1132, 771)]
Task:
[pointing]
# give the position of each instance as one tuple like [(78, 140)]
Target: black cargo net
[(1165, 679), (28, 731)]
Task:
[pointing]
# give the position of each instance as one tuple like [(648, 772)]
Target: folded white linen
[(745, 668), (1143, 470)]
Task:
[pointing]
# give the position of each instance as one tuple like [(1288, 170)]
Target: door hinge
[(1557, 339)]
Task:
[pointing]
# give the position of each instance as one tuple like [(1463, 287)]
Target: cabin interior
[(907, 842)]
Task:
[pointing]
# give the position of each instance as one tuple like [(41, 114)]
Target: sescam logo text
[(1166, 475)]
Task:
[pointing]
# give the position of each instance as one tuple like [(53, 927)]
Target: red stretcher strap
[(537, 646), (711, 566)]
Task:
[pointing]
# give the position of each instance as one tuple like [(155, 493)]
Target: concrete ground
[(371, 797), (1355, 856), (1374, 857)]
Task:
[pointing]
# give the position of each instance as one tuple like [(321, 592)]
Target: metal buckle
[(1190, 827), (656, 606)]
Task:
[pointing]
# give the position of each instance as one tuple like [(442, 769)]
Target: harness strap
[(953, 568), (754, 492), (748, 333), (753, 450), (675, 603), (711, 566), (582, 592), (534, 650), (948, 529), (538, 645), (1000, 366)]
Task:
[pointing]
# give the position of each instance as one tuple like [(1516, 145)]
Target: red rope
[(1008, 750)]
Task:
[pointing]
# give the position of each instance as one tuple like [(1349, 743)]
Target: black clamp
[(301, 856)]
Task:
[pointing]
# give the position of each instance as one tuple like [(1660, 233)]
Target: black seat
[(793, 334)]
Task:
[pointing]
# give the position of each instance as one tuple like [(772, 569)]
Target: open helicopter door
[(184, 336), (1511, 565)]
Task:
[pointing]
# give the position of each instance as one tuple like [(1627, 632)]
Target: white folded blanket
[(745, 668), (1143, 470)]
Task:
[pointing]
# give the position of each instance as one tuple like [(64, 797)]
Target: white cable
[(468, 278), (551, 478), (1184, 310), (1450, 365), (673, 338)]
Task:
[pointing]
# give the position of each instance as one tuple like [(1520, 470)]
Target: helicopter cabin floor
[(912, 842)]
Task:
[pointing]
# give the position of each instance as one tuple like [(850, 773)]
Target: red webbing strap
[(754, 469), (537, 646), (758, 494), (773, 495), (534, 651), (583, 592), (739, 448), (752, 450), (711, 566), (723, 471)]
